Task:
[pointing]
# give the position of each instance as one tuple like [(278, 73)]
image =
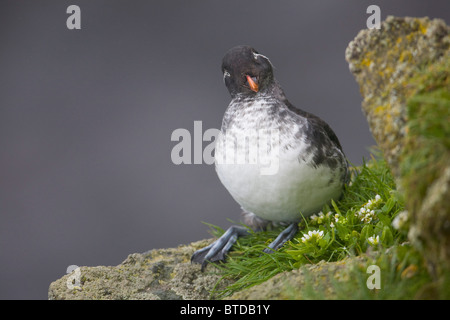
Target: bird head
[(246, 72)]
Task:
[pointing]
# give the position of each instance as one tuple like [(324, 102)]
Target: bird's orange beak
[(252, 84)]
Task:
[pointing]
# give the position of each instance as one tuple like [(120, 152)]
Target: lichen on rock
[(383, 61), (159, 274), (403, 73)]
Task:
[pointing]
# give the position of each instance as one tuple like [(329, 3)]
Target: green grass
[(427, 149), (340, 231)]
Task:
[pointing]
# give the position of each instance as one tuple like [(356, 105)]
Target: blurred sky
[(86, 118)]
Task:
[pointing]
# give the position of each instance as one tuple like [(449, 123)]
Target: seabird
[(277, 161)]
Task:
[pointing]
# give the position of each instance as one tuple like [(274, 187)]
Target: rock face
[(165, 274), (403, 73), (318, 281), (383, 62)]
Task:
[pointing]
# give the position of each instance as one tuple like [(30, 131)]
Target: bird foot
[(217, 250), (286, 235)]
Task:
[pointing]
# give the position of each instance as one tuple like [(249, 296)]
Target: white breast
[(273, 183)]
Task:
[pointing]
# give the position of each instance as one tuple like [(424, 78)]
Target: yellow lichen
[(405, 55), (411, 37), (379, 110), (388, 125), (366, 62), (422, 28)]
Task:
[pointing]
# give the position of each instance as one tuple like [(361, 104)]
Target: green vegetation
[(427, 150), (359, 224), (425, 168)]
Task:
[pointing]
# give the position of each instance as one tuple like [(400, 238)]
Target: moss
[(425, 165), (402, 276), (427, 148)]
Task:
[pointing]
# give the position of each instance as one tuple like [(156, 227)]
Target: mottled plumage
[(278, 162)]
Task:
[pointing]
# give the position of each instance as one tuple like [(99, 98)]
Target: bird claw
[(218, 250), (286, 235), (199, 256)]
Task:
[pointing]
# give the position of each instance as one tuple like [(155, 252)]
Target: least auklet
[(261, 127)]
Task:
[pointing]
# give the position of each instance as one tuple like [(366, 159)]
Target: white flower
[(400, 220), (373, 240), (319, 219), (312, 236), (372, 203), (366, 214), (331, 225)]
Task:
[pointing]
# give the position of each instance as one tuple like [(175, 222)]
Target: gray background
[(86, 118)]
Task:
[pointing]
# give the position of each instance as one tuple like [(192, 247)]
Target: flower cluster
[(374, 202), (312, 236), (338, 218), (319, 219), (367, 213)]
